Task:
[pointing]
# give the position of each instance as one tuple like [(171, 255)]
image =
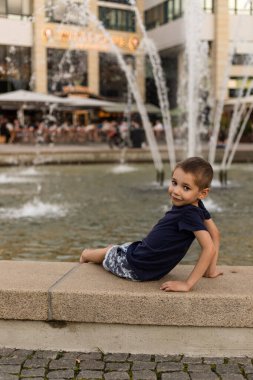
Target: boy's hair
[(201, 169)]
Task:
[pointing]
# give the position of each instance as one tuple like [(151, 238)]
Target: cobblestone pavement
[(47, 365)]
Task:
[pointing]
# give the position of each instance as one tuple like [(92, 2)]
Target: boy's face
[(183, 189)]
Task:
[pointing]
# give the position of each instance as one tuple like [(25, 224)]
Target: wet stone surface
[(47, 365)]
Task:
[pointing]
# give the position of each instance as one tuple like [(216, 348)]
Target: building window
[(208, 6), (170, 72), (161, 14), (235, 84), (15, 68), (66, 68), (242, 59), (67, 12), (117, 19), (126, 2), (113, 83), (240, 7), (16, 9)]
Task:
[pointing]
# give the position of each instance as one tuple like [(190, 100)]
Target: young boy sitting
[(169, 240)]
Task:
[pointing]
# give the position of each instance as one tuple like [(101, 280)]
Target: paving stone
[(116, 376), (10, 369), (36, 363), (139, 357), (203, 375), (61, 375), (144, 375), (232, 376), (213, 360), (199, 368), (175, 376), (90, 356), (45, 355), (90, 375), (11, 361), (6, 351), (116, 357), (33, 372), (240, 360), (6, 376), (248, 369), (227, 368), (192, 360), (92, 364), (138, 365), (33, 378), (62, 364), (117, 366), (70, 355), (168, 358), (22, 354), (169, 367)]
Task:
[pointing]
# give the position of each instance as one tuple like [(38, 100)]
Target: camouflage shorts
[(115, 261)]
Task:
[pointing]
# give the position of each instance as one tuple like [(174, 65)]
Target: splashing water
[(34, 209)]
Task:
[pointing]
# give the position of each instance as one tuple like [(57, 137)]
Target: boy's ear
[(204, 193)]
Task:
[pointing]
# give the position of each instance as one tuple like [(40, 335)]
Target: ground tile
[(232, 376), (169, 367), (240, 360), (214, 360), (227, 368), (6, 351), (90, 375), (36, 363), (33, 372), (11, 361), (192, 360), (45, 354), (248, 369), (62, 364), (144, 375), (92, 364), (199, 368), (90, 356), (6, 376), (138, 365), (168, 358), (203, 375), (175, 376), (139, 357), (10, 369), (116, 357), (117, 366), (61, 375), (116, 376)]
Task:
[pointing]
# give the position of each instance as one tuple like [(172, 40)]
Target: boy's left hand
[(175, 286)]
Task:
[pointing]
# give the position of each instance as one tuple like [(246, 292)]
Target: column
[(39, 58), (220, 45)]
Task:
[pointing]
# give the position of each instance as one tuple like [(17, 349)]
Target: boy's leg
[(94, 255)]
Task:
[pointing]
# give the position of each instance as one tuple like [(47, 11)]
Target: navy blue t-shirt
[(167, 243)]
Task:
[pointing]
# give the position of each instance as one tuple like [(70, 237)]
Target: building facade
[(51, 46), (227, 28)]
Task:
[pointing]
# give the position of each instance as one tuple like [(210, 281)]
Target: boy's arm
[(212, 270), (206, 256)]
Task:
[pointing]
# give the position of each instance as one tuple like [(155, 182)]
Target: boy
[(169, 240)]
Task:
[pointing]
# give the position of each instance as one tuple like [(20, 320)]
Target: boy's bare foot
[(94, 255)]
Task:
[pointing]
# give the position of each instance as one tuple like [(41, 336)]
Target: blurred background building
[(47, 46)]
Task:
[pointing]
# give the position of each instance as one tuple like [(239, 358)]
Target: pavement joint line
[(49, 292)]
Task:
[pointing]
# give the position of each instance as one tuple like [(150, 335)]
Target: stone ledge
[(42, 291)]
